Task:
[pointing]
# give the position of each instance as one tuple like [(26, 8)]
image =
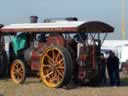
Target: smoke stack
[(33, 19)]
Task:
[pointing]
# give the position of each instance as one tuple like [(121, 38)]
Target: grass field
[(33, 87)]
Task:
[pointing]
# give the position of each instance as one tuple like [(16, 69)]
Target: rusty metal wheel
[(56, 67), (17, 71)]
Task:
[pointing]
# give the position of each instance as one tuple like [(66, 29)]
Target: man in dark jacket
[(102, 69), (113, 69)]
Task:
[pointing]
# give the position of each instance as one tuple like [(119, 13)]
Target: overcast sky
[(18, 11)]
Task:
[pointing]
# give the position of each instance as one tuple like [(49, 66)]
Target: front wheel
[(17, 71), (56, 67)]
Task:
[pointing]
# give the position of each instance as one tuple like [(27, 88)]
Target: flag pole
[(123, 20)]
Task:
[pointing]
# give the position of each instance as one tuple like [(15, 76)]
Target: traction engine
[(69, 53)]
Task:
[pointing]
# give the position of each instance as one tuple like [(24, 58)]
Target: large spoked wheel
[(17, 71), (56, 67)]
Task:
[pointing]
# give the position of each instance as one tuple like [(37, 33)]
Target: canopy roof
[(60, 26)]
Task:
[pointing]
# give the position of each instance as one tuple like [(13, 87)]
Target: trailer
[(60, 51)]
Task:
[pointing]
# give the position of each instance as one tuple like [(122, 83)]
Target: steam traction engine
[(70, 51)]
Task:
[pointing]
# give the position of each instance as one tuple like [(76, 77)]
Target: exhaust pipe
[(33, 19)]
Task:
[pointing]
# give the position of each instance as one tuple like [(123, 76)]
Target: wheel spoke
[(57, 76), (59, 73), (47, 66), (47, 71), (16, 67), (21, 75), (57, 57), (18, 76), (61, 67), (50, 62), (60, 64), (48, 74), (15, 70), (54, 78), (20, 69), (60, 61), (53, 54), (15, 74), (50, 59)]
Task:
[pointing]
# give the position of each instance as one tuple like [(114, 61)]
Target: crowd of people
[(112, 65)]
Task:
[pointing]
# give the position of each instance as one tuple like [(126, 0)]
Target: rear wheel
[(17, 71), (56, 67)]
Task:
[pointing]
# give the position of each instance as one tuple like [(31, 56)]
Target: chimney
[(33, 19)]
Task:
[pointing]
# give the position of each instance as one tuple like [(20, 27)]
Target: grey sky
[(18, 11)]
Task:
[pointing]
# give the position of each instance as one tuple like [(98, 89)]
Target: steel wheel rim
[(52, 67), (17, 72)]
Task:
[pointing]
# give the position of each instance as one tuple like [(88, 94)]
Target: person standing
[(102, 69), (113, 69)]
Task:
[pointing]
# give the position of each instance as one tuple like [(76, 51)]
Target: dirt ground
[(33, 87)]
